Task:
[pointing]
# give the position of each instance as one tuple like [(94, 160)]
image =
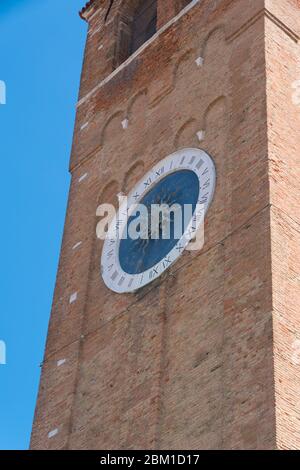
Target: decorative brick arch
[(140, 97), (186, 135), (109, 194), (215, 109), (132, 176), (109, 124), (181, 63), (218, 31)]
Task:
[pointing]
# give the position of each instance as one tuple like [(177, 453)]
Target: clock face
[(158, 219)]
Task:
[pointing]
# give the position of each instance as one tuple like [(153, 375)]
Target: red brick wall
[(283, 65), (196, 359)]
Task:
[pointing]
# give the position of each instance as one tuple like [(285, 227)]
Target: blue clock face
[(184, 183), (179, 189)]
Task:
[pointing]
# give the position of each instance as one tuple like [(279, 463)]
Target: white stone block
[(77, 245), (82, 177), (73, 298), (199, 61), (84, 126), (201, 135), (52, 433), (61, 362)]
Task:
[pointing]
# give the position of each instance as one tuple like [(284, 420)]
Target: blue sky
[(41, 48)]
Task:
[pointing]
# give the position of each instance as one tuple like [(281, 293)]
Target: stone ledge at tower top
[(85, 9)]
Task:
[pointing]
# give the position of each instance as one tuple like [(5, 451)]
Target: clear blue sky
[(41, 48)]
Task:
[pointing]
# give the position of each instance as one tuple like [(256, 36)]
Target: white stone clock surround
[(192, 159)]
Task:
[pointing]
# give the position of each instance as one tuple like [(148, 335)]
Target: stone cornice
[(86, 10)]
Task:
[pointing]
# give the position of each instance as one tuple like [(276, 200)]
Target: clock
[(158, 219)]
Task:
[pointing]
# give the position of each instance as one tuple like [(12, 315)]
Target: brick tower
[(207, 356)]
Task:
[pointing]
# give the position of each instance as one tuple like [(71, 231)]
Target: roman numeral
[(166, 262), (160, 172), (148, 182), (206, 184), (199, 164), (204, 198), (179, 247), (199, 213), (152, 273)]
